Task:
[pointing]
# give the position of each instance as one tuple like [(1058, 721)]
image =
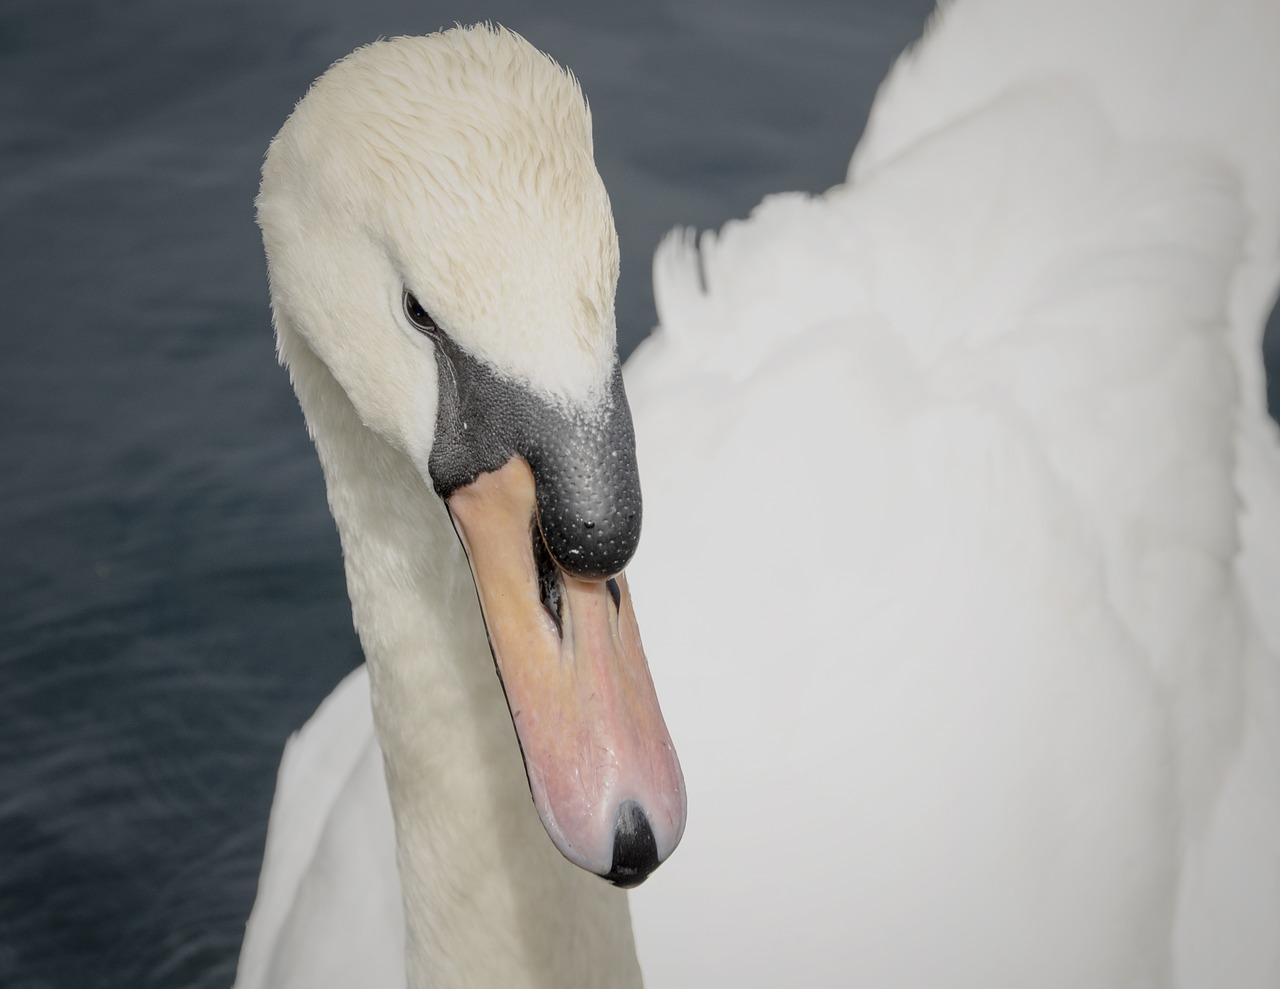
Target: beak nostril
[(550, 588)]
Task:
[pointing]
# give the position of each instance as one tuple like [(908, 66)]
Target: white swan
[(969, 646), (442, 261)]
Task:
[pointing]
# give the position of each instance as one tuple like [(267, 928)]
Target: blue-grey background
[(171, 593)]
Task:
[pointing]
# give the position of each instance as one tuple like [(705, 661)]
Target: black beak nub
[(635, 852)]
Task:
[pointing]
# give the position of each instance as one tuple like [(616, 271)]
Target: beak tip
[(635, 850)]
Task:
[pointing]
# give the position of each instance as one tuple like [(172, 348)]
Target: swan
[(442, 262), (962, 534)]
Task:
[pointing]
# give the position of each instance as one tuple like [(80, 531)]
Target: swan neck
[(488, 900)]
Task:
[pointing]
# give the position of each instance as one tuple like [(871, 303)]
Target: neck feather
[(488, 899)]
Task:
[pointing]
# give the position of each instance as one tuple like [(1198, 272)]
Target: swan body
[(989, 693)]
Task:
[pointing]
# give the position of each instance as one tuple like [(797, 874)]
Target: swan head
[(438, 235)]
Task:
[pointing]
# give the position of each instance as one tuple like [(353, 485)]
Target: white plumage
[(962, 537)]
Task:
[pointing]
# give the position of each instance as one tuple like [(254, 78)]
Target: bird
[(961, 538), (442, 262)]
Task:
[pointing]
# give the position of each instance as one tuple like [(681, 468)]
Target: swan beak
[(602, 770)]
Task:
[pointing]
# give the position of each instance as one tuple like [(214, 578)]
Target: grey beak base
[(583, 459)]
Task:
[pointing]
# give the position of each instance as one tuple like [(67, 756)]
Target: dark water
[(171, 595)]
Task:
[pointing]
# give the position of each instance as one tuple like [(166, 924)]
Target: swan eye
[(418, 316)]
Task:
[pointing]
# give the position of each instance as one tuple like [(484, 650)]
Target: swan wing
[(328, 910), (985, 696)]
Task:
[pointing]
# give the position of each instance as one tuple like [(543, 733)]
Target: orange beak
[(602, 770)]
